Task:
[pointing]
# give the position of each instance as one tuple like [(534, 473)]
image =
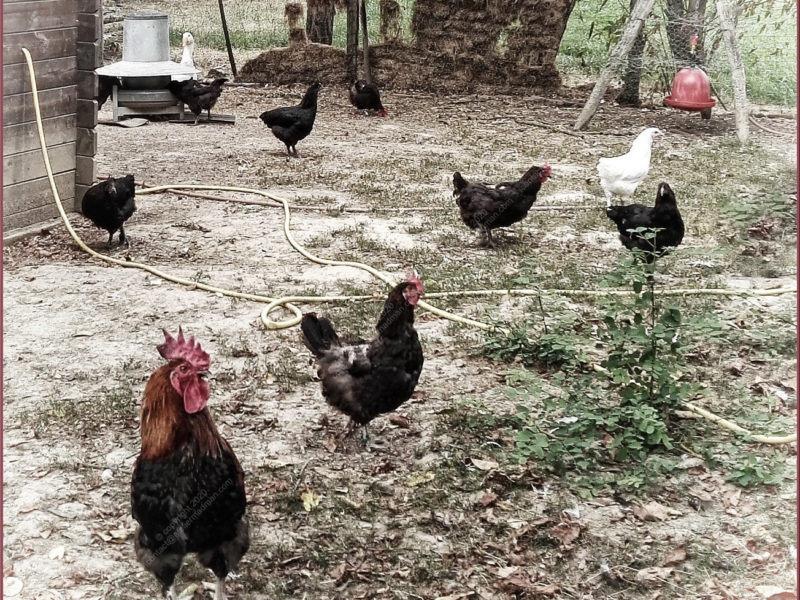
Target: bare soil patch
[(435, 509)]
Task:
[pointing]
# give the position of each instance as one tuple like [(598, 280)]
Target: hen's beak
[(203, 374)]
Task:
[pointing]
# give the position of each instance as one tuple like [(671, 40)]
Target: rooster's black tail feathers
[(318, 334)]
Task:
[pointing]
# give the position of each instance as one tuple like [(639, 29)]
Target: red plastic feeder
[(691, 90)]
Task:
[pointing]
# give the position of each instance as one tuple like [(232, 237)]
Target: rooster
[(109, 204), (621, 175), (365, 379), (664, 217), (487, 207), (290, 124), (187, 490), (365, 96), (197, 96)]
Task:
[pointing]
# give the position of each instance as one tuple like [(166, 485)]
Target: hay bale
[(301, 63), (457, 50)]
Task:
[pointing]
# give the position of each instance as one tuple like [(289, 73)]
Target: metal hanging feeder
[(145, 68)]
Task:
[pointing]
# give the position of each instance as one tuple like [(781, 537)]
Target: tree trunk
[(740, 110), (319, 21), (683, 21), (615, 60), (391, 27), (365, 37), (352, 40), (629, 96)]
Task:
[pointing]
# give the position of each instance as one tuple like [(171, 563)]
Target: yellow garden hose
[(289, 301)]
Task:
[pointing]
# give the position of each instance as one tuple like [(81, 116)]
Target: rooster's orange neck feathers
[(165, 425)]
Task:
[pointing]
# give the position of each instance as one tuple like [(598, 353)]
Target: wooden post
[(227, 38), (352, 40), (615, 61), (740, 109), (365, 37)]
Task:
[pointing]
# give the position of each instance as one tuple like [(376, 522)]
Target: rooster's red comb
[(413, 277), (184, 349)]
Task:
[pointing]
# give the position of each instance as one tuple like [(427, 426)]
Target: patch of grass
[(237, 347), (286, 371), (761, 212), (110, 409)]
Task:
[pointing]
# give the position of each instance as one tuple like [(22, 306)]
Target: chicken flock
[(187, 490)]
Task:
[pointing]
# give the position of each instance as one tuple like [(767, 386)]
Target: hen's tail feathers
[(459, 183), (318, 334)]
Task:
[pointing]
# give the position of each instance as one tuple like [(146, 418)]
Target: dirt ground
[(428, 511)]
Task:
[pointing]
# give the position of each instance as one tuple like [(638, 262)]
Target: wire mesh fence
[(767, 30), (767, 35)]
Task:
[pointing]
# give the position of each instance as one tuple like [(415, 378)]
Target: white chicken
[(621, 175), (187, 58)]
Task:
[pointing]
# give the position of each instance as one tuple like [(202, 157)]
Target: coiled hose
[(288, 302)]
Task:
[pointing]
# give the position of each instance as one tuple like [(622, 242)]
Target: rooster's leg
[(122, 238), (489, 240), (110, 237), (209, 114), (348, 431), (364, 435), (219, 591)]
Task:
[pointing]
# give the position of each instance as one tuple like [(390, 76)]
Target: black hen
[(487, 207), (365, 96), (109, 204), (366, 379), (664, 216), (290, 124), (105, 87), (197, 96)]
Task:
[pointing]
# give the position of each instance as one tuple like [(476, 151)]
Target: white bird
[(621, 175), (187, 59)]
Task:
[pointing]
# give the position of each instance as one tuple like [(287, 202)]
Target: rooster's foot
[(364, 436)]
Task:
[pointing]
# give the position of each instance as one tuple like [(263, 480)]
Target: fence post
[(227, 38)]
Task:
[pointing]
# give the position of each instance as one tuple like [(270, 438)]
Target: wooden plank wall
[(64, 38), (89, 57)]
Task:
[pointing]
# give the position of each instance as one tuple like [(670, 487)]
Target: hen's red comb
[(184, 349)]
